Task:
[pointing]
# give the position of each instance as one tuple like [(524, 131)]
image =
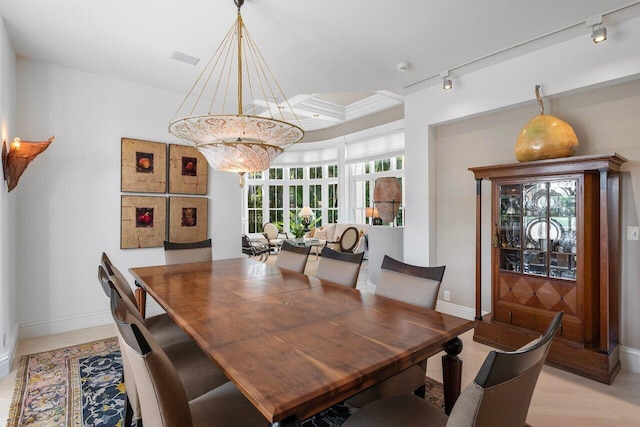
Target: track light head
[(447, 83), (599, 35)]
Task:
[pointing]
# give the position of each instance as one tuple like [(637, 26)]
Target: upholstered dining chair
[(273, 235), (409, 283), (164, 400), (255, 249), (500, 394), (180, 253), (164, 329), (339, 267), (292, 257), (413, 285), (349, 239), (195, 369)]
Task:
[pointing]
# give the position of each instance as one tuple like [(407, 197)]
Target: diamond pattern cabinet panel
[(554, 239)]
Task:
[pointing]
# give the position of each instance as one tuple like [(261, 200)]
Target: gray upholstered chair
[(339, 267), (500, 395), (164, 400), (273, 235), (409, 283), (413, 285), (255, 249), (194, 368), (163, 328), (180, 253), (292, 257)]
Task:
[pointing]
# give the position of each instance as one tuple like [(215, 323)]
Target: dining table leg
[(451, 373), (141, 299), (291, 421)]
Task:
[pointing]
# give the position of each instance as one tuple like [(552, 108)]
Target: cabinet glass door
[(510, 227), (562, 215), (536, 232)]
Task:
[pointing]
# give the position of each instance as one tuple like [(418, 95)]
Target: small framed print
[(143, 222), (188, 170), (188, 219), (144, 166)]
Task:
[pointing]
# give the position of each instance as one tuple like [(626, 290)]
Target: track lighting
[(598, 32), (447, 83), (599, 35)]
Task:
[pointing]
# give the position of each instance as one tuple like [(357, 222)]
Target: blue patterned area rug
[(81, 386)]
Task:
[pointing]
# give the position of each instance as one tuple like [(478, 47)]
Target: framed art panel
[(188, 218), (187, 170), (143, 222), (144, 166)]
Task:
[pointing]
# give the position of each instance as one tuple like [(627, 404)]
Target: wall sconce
[(16, 159)]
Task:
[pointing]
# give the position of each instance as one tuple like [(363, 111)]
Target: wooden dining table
[(296, 345)]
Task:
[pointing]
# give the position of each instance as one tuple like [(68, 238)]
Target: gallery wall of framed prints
[(154, 167)]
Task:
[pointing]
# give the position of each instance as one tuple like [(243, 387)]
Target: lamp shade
[(387, 196), (306, 211), (372, 213)]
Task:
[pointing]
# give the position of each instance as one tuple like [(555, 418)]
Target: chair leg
[(128, 413)]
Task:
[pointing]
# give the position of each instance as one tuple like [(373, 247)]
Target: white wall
[(448, 204), (8, 204), (69, 198)]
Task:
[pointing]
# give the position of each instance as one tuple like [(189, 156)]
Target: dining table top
[(294, 344)]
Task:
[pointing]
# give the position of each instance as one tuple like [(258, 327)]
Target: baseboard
[(64, 324), (7, 357), (630, 359), (71, 323), (456, 310)]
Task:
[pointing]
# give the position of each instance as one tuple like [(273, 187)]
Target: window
[(333, 171), (295, 197), (255, 175), (332, 206), (364, 175), (315, 201), (254, 204), (275, 173), (276, 203), (315, 172), (295, 173)]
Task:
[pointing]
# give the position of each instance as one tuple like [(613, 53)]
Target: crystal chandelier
[(237, 142)]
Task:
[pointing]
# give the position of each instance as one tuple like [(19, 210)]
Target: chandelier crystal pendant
[(237, 142)]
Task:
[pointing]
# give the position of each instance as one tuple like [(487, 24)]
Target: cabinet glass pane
[(510, 227), (562, 213), (536, 228)]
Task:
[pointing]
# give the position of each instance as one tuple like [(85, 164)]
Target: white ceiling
[(347, 50)]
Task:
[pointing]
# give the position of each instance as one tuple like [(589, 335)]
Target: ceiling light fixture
[(598, 32), (447, 83), (599, 35), (237, 142)]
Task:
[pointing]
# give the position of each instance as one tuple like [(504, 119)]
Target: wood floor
[(560, 399)]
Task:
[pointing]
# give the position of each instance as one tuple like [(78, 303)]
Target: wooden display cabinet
[(555, 243)]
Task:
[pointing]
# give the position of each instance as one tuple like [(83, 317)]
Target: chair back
[(163, 400), (292, 257), (339, 267), (349, 239), (122, 282), (502, 390), (270, 230), (409, 283), (180, 253)]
